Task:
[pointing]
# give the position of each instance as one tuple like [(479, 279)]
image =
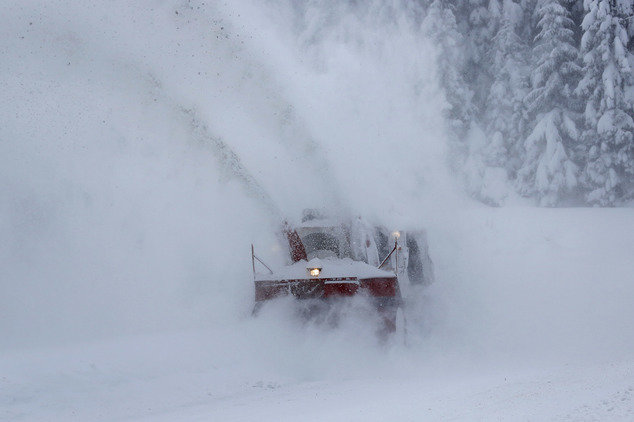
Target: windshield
[(320, 245)]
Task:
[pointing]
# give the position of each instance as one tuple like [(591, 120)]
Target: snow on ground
[(125, 291), (530, 320)]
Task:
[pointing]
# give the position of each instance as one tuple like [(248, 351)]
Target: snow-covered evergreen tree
[(609, 113), (529, 19), (473, 23), (575, 8), (504, 115), (547, 171), (496, 68), (440, 25), (555, 71)]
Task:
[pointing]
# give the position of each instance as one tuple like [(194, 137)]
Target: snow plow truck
[(332, 258)]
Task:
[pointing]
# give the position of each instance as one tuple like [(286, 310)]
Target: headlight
[(314, 267)]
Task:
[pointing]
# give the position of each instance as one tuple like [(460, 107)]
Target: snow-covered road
[(558, 348), (90, 390)]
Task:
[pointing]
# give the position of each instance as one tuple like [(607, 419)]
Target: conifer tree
[(547, 171), (474, 24), (440, 25), (609, 124), (505, 112), (498, 70)]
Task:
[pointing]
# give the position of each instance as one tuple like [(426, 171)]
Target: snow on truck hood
[(330, 267)]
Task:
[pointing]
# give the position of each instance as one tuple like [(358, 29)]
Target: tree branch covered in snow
[(541, 97)]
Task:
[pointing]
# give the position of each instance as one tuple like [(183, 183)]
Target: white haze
[(115, 208), (122, 230)]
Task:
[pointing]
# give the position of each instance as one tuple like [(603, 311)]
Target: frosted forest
[(539, 97)]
